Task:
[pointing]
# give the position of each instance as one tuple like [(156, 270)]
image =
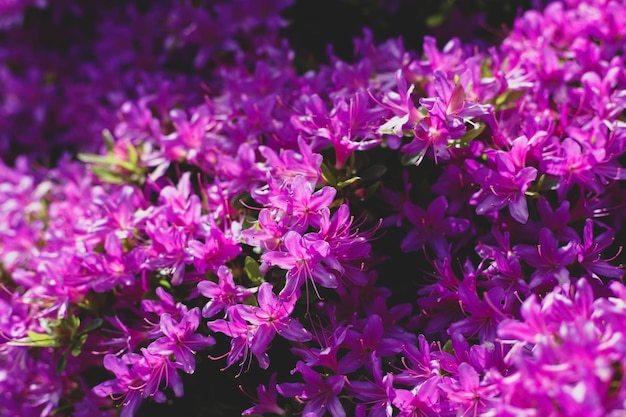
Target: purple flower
[(565, 352), (224, 294), (181, 207), (290, 164), (573, 164), (317, 393), (181, 340), (433, 132), (401, 104), (266, 400), (421, 401), (326, 355), (363, 344), (302, 260), (162, 372), (168, 248), (549, 260), (431, 227), (591, 250), (418, 363), (348, 249), (303, 203), (131, 372), (241, 334), (268, 232), (164, 305), (352, 127), (472, 396), (483, 315), (217, 248), (271, 317), (377, 395), (111, 269), (506, 186)]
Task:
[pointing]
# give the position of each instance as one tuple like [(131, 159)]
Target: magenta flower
[(433, 132), (548, 258), (377, 395), (431, 227), (217, 248), (271, 317), (591, 250), (472, 396), (224, 294), (266, 400), (181, 207), (131, 373), (326, 355), (421, 401), (406, 115), (483, 315), (349, 249), (181, 340), (290, 164), (303, 203), (573, 163), (162, 372), (352, 127), (564, 353), (241, 334), (363, 344), (269, 231), (302, 260), (111, 269), (168, 248), (504, 187), (319, 394)]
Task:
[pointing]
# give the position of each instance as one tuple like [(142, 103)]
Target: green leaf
[(62, 362), (507, 98), (78, 344), (485, 69), (328, 175), (342, 184), (546, 182), (109, 141), (41, 339), (416, 159), (106, 175), (92, 325), (73, 321), (472, 134), (165, 284), (435, 20), (109, 160), (93, 158), (133, 156), (373, 173), (253, 271)]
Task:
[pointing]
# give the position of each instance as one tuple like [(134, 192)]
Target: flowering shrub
[(399, 234)]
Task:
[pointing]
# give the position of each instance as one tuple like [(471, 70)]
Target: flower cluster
[(400, 234)]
